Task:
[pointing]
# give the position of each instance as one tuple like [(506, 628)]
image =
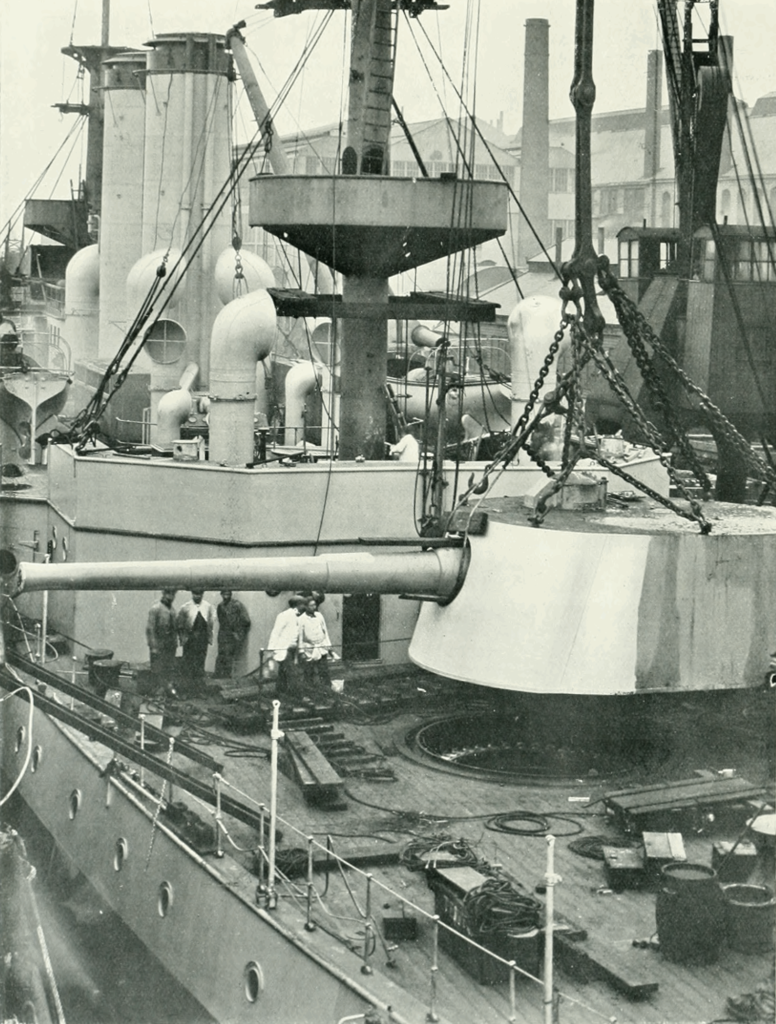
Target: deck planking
[(426, 799)]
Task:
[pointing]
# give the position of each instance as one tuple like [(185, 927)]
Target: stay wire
[(490, 153), (195, 243)]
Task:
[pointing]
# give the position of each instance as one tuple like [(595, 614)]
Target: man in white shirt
[(407, 449), (314, 646), (283, 642)]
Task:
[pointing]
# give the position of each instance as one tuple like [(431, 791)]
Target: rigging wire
[(77, 125), (489, 151), (166, 283), (72, 27)]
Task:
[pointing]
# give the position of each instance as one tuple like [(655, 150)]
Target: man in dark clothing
[(196, 622), (233, 625), (162, 638)]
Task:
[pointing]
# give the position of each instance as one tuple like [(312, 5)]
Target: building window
[(629, 258), (666, 210), (560, 179), (667, 255), (705, 258), (751, 261)]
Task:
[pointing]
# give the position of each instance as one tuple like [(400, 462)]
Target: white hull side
[(213, 928)]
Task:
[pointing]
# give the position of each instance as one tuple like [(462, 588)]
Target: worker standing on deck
[(283, 640), (233, 625), (162, 638), (407, 449), (196, 625), (314, 645)]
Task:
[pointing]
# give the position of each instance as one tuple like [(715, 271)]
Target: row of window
[(747, 260)]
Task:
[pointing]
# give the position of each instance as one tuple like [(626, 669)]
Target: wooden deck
[(427, 802), (394, 796)]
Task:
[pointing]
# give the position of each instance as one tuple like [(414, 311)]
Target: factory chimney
[(652, 128), (535, 146)]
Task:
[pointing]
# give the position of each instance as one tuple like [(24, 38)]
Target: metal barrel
[(435, 574)]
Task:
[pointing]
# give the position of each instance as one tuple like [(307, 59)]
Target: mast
[(91, 58), (369, 226)]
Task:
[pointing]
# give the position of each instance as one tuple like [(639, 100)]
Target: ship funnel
[(435, 574)]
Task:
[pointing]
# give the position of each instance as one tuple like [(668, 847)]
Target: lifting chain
[(639, 335), (239, 273), (571, 390), (630, 315), (519, 432), (619, 387), (269, 131)]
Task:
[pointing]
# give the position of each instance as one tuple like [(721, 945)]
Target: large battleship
[(530, 643)]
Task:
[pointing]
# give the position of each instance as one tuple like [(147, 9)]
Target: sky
[(34, 74)]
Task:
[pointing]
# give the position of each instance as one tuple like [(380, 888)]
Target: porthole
[(74, 803), (37, 755), (164, 903), (120, 854), (21, 732), (254, 981)]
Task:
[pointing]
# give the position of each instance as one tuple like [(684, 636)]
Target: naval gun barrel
[(435, 574)]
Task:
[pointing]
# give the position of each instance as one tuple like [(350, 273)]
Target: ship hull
[(231, 955)]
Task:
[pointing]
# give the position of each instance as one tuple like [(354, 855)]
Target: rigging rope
[(85, 426)]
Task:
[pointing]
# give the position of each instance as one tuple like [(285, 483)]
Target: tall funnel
[(185, 165), (121, 227)]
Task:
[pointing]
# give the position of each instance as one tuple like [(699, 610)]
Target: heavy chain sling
[(620, 388), (521, 430), (638, 336), (571, 390), (651, 376), (629, 314)]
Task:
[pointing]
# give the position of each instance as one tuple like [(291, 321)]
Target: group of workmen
[(192, 628), (299, 637)]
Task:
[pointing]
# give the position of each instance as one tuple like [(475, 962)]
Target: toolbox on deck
[(624, 868), (523, 946)]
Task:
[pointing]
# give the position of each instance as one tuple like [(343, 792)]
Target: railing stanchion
[(368, 930), (142, 745), (551, 880), (512, 1001), (275, 736), (309, 923), (262, 848), (218, 817), (432, 1014)]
